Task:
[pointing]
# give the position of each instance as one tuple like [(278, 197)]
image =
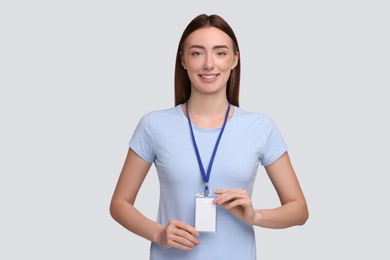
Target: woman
[(206, 143)]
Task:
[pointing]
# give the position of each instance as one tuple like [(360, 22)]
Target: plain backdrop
[(76, 76)]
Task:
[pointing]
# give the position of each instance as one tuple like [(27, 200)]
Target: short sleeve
[(274, 145), (141, 141)]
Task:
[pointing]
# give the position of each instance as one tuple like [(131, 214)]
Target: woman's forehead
[(208, 36)]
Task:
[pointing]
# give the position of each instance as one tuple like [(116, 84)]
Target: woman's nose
[(208, 62)]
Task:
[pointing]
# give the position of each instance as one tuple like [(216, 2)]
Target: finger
[(185, 240), (232, 196), (184, 226), (179, 238), (239, 202), (221, 192), (226, 197), (183, 230), (185, 237), (177, 245)]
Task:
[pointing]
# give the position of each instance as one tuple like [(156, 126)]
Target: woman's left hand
[(237, 201)]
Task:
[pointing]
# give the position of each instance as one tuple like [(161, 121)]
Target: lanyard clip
[(206, 190)]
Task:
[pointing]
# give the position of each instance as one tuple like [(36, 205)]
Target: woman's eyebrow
[(214, 47)]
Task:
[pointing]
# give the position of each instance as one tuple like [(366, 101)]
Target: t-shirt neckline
[(195, 127)]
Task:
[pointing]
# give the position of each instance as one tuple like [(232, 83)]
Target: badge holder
[(205, 213)]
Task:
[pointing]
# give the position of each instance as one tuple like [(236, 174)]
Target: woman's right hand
[(179, 235)]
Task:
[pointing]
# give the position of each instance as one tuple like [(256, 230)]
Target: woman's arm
[(175, 234), (293, 210)]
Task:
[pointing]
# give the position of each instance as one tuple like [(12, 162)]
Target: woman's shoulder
[(252, 116), (165, 115), (257, 123)]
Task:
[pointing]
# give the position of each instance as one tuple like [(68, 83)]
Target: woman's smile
[(209, 77)]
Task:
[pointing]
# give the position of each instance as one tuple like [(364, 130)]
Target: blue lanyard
[(206, 176)]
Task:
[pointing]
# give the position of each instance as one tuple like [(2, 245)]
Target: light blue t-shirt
[(164, 138)]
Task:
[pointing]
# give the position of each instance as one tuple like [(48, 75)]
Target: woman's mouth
[(208, 77)]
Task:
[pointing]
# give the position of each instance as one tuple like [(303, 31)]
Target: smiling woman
[(182, 80), (208, 55), (209, 130)]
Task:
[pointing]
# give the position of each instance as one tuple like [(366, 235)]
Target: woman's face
[(208, 56)]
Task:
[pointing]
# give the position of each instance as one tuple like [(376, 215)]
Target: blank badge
[(205, 214)]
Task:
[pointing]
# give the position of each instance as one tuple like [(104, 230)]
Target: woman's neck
[(207, 106), (207, 111)]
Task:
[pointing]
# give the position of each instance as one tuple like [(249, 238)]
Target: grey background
[(76, 76)]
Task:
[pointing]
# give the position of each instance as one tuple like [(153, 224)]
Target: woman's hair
[(182, 81)]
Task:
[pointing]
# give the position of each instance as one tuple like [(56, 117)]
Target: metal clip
[(206, 190)]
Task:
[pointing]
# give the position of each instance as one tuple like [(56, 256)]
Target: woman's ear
[(183, 62), (235, 61)]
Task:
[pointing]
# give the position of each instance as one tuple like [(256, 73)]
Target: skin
[(208, 56)]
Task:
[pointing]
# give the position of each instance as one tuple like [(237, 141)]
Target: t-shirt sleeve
[(274, 145), (141, 141)]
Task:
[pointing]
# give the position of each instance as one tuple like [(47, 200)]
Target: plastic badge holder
[(205, 213)]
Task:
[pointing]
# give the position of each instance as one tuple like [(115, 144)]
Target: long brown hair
[(182, 81)]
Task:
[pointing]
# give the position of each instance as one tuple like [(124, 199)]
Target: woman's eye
[(221, 53), (195, 53)]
